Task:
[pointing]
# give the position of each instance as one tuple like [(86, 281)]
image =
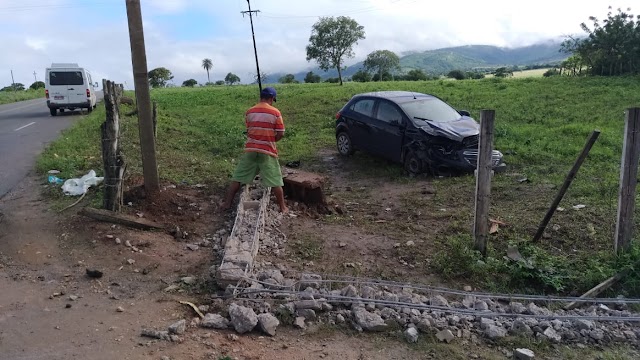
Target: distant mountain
[(470, 57)]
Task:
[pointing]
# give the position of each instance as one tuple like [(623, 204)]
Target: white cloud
[(35, 36)]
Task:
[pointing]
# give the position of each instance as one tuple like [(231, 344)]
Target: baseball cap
[(268, 92)]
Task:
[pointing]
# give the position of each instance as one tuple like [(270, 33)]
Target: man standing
[(264, 128)]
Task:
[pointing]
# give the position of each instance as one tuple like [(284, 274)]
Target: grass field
[(541, 126), (7, 97)]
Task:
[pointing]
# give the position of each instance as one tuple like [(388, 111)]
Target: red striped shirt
[(263, 121)]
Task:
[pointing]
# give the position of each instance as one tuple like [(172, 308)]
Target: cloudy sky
[(180, 33)]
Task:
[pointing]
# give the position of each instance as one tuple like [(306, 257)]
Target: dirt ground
[(50, 309)]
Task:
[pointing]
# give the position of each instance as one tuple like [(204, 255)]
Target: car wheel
[(53, 112), (413, 164), (89, 109), (61, 111), (343, 142)]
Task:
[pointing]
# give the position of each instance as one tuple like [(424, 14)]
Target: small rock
[(162, 335), (214, 321), (410, 243), (127, 243), (584, 324), (243, 319), (233, 337), (495, 332), (120, 309), (523, 354), (299, 323), (73, 297), (467, 288), (411, 334), (552, 335), (486, 322), (308, 314), (349, 291), (95, 274), (596, 334), (171, 288), (67, 306), (178, 328), (368, 321), (192, 247), (268, 324), (131, 261), (439, 300), (481, 305), (445, 335), (310, 280), (189, 280), (342, 244), (340, 319), (517, 308)]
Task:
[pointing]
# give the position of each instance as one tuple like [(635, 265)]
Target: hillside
[(441, 61)]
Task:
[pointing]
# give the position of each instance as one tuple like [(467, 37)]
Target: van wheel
[(89, 109), (413, 164), (53, 112)]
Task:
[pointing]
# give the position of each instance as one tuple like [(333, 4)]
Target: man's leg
[(280, 199), (244, 174), (231, 193), (272, 177)]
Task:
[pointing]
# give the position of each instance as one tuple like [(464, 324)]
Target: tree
[(37, 85), (332, 41), (456, 74), (288, 79), (551, 72), (502, 72), (189, 83), (231, 78), (263, 77), (219, 82), (361, 76), (14, 87), (382, 61), (207, 64), (159, 77), (312, 78), (611, 48), (416, 75), (386, 76)]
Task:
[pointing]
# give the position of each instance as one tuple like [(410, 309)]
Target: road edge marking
[(22, 127)]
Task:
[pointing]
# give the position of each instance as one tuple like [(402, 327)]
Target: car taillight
[(46, 93), (88, 93), (338, 115)]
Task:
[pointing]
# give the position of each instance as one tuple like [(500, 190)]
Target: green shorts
[(252, 164)]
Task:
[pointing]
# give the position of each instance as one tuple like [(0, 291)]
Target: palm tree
[(207, 64)]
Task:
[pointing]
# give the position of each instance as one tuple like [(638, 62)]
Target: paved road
[(25, 129)]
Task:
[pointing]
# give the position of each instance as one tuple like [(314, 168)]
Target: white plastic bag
[(75, 187)]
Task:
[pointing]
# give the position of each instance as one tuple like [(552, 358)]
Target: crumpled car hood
[(455, 130)]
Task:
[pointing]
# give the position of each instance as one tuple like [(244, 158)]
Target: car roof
[(398, 97)]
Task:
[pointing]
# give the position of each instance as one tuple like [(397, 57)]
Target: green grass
[(541, 126), (7, 97)]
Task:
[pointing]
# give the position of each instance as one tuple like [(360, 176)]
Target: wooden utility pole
[(628, 180), (143, 98), (567, 182), (483, 181), (112, 157), (13, 83), (255, 50)]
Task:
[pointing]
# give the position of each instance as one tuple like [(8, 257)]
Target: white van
[(69, 87)]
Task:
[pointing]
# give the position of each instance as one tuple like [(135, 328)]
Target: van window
[(66, 78)]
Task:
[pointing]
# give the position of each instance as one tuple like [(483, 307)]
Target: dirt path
[(43, 259)]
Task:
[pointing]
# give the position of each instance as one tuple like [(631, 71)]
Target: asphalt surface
[(25, 129)]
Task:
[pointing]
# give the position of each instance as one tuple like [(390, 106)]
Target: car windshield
[(432, 109)]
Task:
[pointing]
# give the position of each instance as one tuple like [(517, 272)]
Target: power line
[(54, 6), (341, 13)]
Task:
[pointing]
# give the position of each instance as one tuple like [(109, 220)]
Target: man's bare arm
[(279, 135)]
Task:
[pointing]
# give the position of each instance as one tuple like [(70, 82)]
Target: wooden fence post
[(567, 182), (483, 181), (628, 180), (155, 119), (112, 158)]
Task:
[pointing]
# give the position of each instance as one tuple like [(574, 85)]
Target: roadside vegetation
[(9, 96), (541, 126)]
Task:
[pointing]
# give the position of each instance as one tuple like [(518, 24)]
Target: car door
[(76, 87), (387, 130), (359, 118), (58, 89)]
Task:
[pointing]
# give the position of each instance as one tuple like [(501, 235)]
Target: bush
[(332, 80), (456, 74), (551, 72), (361, 76)]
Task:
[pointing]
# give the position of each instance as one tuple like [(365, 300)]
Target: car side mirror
[(464, 113), (96, 85), (397, 123)]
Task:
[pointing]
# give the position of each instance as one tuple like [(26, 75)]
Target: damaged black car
[(420, 131)]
